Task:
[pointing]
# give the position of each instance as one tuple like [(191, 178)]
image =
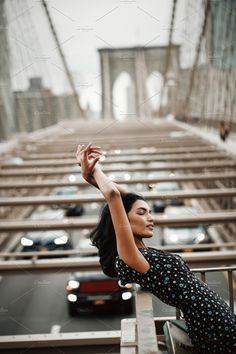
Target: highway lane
[(37, 303)]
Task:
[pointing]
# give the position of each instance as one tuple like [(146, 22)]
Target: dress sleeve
[(127, 274)]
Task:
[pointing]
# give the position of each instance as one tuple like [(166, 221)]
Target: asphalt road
[(37, 304)]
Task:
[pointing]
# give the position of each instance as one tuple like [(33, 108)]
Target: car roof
[(47, 214), (182, 209), (46, 234), (89, 276)]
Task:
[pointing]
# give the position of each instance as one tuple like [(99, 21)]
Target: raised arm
[(126, 246)]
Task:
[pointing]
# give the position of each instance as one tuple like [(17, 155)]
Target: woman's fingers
[(87, 153), (93, 163), (89, 149)]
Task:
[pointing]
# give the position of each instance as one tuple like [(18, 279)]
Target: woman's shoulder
[(154, 254), (151, 255)]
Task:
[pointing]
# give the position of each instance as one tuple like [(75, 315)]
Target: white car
[(40, 241), (183, 235)]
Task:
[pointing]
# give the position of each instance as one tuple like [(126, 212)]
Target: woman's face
[(141, 219)]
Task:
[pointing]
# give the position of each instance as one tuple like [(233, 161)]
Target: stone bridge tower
[(139, 63)]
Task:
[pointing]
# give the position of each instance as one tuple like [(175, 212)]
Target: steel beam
[(75, 264), (45, 340), (171, 178), (166, 167), (80, 223), (90, 198)]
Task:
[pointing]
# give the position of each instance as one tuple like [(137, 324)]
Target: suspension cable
[(193, 71), (168, 52), (69, 76)]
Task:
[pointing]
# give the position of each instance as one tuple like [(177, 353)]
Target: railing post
[(146, 331), (128, 343), (231, 290)]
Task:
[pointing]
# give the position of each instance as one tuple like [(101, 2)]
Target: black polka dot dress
[(210, 323)]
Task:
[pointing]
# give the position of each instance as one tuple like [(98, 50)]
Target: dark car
[(71, 209), (160, 205), (46, 241), (93, 291)]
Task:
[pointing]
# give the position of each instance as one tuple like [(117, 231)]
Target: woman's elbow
[(112, 194)]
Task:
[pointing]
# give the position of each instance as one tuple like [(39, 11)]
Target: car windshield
[(167, 186), (181, 229)]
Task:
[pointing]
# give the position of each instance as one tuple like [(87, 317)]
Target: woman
[(125, 221)]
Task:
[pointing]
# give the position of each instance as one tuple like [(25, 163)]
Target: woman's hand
[(87, 157)]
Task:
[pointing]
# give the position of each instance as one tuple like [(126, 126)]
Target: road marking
[(1, 278), (55, 329)]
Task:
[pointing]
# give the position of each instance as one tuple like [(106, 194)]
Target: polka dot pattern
[(210, 323)]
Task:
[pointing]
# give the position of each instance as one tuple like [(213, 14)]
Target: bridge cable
[(168, 52), (69, 76), (196, 59)]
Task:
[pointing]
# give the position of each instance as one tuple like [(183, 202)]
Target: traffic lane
[(37, 304), (31, 303)]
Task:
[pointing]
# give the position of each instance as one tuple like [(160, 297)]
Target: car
[(47, 214), (46, 241), (71, 209), (94, 291), (51, 240), (160, 205), (184, 235)]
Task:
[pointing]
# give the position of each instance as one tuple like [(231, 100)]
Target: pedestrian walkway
[(212, 135)]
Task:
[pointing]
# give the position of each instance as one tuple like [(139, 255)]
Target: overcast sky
[(83, 27)]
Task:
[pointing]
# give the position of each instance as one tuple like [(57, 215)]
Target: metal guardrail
[(117, 152), (134, 159), (73, 264), (143, 338), (138, 335), (80, 223), (85, 251), (229, 271), (55, 340), (30, 184), (89, 198), (166, 167)]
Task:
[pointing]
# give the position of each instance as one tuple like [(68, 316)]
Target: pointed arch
[(154, 84), (123, 93)]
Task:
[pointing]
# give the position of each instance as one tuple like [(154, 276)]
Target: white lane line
[(55, 329), (1, 278)]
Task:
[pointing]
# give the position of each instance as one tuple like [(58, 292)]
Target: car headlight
[(72, 298), (128, 285), (26, 241), (72, 284), (61, 240), (126, 295), (201, 236), (174, 238)]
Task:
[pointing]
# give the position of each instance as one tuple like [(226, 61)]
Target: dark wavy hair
[(104, 238)]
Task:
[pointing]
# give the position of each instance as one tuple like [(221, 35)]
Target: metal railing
[(143, 340), (73, 264)]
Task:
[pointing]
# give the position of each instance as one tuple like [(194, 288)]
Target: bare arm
[(126, 246)]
